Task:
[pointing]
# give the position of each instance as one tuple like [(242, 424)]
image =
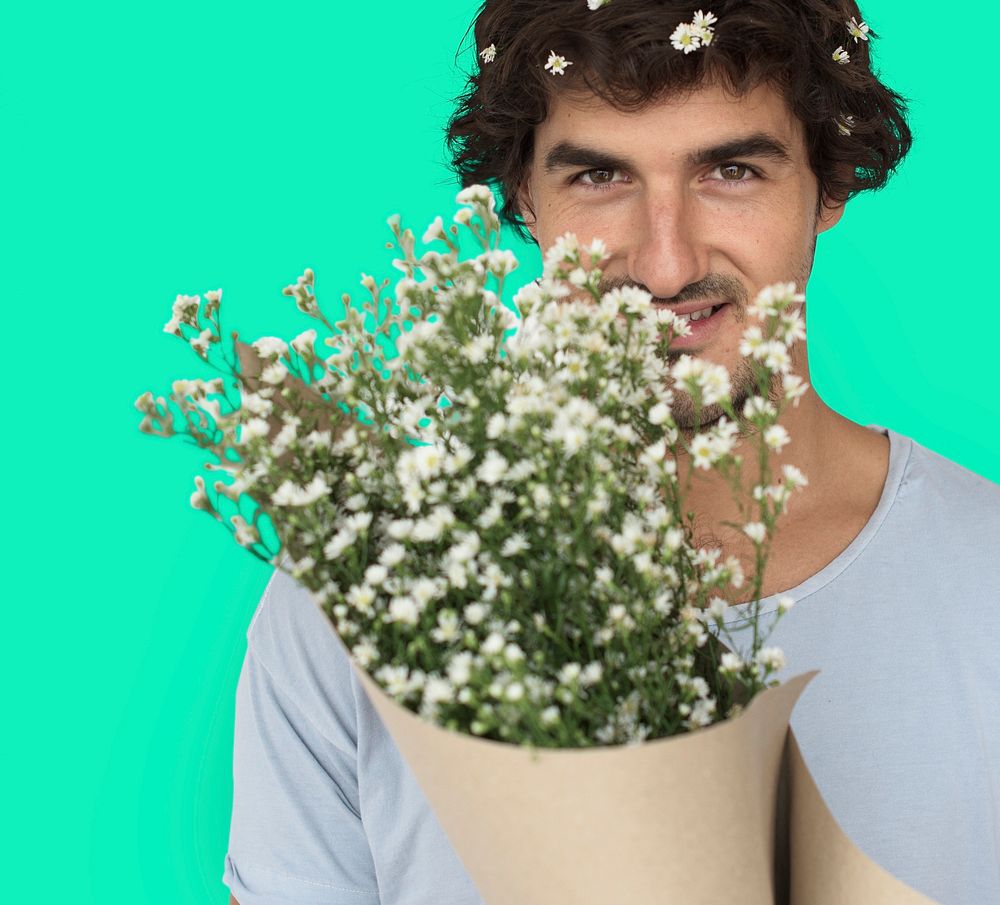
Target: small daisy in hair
[(858, 31), (686, 37), (841, 56), (489, 54), (845, 124), (557, 64), (597, 4)]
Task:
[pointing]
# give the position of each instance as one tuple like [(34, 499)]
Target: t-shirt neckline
[(900, 448)]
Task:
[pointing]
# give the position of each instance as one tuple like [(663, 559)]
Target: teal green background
[(176, 148)]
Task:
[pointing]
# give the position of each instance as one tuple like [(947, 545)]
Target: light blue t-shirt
[(901, 729)]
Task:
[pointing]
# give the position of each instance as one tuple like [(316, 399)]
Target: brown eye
[(599, 177), (734, 172)]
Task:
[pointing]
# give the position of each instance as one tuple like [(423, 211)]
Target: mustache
[(714, 286)]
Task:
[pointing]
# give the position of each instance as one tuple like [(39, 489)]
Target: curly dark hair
[(623, 54)]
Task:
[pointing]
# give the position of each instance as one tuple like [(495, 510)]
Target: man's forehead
[(693, 125)]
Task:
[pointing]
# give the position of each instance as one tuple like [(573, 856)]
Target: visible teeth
[(698, 315)]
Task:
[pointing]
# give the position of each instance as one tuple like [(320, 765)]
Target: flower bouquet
[(491, 515)]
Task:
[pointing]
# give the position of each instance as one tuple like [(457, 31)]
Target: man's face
[(702, 200)]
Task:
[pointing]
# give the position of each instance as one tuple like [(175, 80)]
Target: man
[(709, 171)]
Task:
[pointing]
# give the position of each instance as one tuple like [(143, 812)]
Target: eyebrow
[(567, 154)]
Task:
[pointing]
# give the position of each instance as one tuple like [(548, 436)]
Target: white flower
[(776, 437), (659, 413), (845, 124), (857, 31), (756, 531), (392, 555), (434, 231), (630, 299), (730, 663), (591, 674), (359, 522), (514, 691), (785, 603), (200, 345), (841, 56), (268, 346), (338, 544), (492, 468), (400, 529), (403, 609), (304, 343), (362, 597), (493, 644), (365, 653), (375, 574), (447, 628), (550, 715), (475, 613), (394, 679), (274, 373), (514, 544), (686, 37), (460, 668), (246, 535), (597, 4), (474, 194), (438, 690), (489, 54), (704, 20), (794, 477), (253, 429), (770, 658), (794, 387), (556, 63)]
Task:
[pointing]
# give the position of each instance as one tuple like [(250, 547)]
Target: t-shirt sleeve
[(296, 835)]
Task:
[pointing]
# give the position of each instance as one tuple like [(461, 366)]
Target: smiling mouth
[(692, 317), (702, 323)]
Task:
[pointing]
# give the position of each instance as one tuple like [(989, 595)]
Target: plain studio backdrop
[(178, 148)]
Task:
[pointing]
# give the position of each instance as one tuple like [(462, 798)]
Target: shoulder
[(951, 495), (292, 639)]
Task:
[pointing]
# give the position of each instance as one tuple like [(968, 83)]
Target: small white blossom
[(475, 613), (489, 54), (785, 603), (841, 56), (756, 531), (686, 37), (776, 437), (730, 663), (493, 644), (770, 658), (403, 609), (557, 64), (858, 31), (794, 477)]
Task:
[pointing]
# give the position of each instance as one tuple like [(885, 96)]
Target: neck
[(844, 463)]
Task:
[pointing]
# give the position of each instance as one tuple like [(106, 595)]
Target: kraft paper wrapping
[(727, 814)]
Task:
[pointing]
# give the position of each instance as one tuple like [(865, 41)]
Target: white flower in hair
[(858, 31), (686, 37), (845, 124), (597, 4), (489, 54), (841, 56), (556, 63), (702, 20)]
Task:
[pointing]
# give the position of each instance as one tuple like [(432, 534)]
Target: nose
[(666, 253)]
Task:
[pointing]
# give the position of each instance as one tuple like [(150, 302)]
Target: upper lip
[(692, 306)]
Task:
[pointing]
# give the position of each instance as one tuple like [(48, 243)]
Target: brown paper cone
[(826, 868), (689, 819), (696, 819)]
